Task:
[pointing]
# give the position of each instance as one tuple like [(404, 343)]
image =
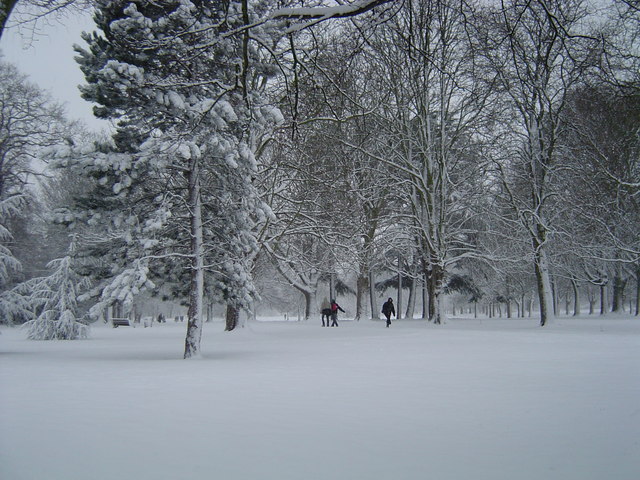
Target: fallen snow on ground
[(472, 399)]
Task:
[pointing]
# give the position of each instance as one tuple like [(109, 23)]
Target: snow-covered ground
[(472, 399)]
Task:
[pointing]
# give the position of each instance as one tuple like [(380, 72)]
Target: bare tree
[(538, 51), (29, 12), (622, 56), (434, 101), (30, 122), (605, 181)]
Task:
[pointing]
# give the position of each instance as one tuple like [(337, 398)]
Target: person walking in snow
[(325, 310), (388, 309), (334, 313)]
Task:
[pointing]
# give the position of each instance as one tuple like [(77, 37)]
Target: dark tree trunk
[(619, 285), (436, 280), (544, 287), (411, 301), (399, 301), (361, 288), (576, 297), (372, 296), (332, 286), (307, 305), (425, 296), (232, 316)]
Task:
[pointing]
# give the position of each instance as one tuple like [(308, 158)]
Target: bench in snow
[(120, 322)]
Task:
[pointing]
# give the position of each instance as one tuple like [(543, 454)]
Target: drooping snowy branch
[(325, 13), (310, 16)]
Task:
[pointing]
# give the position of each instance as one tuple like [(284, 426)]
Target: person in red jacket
[(334, 313)]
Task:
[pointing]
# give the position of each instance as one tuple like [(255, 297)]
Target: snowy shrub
[(53, 301)]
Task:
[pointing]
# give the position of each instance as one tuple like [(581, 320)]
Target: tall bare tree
[(539, 51), (30, 122), (435, 101)]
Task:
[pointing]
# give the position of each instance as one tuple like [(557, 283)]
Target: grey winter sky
[(46, 56)]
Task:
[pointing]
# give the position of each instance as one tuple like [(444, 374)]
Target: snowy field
[(490, 399)]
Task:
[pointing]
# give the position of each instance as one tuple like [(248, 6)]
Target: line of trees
[(487, 150), (478, 151)]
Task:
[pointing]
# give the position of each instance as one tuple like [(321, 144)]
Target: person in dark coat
[(388, 309), (325, 311), (334, 313)]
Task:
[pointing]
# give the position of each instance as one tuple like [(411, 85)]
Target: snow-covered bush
[(53, 301)]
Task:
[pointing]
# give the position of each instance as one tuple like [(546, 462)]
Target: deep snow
[(472, 399)]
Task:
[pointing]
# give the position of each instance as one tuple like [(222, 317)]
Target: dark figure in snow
[(325, 311), (388, 309), (334, 313)]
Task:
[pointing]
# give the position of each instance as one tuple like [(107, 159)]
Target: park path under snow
[(472, 399)]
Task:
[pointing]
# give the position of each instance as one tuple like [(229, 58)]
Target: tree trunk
[(411, 301), (508, 298), (309, 304), (438, 316), (543, 282), (425, 296), (196, 287), (436, 280), (554, 295), (576, 297), (591, 297), (399, 301), (332, 287), (619, 285), (372, 296), (603, 299), (361, 288), (231, 317)]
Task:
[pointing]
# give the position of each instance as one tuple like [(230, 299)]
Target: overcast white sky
[(47, 59)]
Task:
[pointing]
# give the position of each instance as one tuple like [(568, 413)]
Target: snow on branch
[(319, 14)]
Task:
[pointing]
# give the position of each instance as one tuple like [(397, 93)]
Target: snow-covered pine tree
[(11, 305), (174, 75), (53, 301)]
